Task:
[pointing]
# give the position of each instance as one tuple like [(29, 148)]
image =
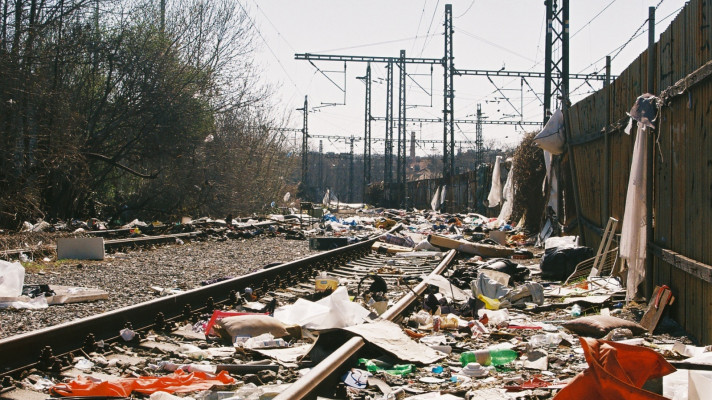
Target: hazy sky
[(489, 34)]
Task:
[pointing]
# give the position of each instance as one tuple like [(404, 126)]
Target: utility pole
[(367, 133), (401, 132), (321, 166), (448, 99), (478, 138), (387, 174), (351, 171), (557, 29), (649, 159), (305, 148)]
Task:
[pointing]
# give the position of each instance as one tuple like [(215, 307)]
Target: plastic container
[(324, 282), (545, 340), (374, 366), (488, 357), (576, 310)]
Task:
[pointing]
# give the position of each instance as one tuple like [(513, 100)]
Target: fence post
[(649, 164), (606, 146), (572, 165)]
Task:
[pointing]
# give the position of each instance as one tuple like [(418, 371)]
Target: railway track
[(52, 350), (118, 239)]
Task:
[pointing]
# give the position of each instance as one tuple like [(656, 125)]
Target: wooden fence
[(682, 176), (462, 191)]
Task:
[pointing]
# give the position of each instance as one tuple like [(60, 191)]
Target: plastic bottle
[(488, 357), (576, 310), (436, 323)]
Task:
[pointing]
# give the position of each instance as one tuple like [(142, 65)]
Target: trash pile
[(508, 320)]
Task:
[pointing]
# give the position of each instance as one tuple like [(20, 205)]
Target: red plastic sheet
[(178, 382), (616, 371)]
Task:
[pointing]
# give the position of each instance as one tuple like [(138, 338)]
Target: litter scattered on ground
[(507, 320)]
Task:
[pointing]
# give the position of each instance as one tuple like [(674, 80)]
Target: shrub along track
[(53, 349)]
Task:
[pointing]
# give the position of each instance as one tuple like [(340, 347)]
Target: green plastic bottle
[(488, 357)]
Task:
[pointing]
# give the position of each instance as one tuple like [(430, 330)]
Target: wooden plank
[(663, 195), (656, 306), (693, 305), (677, 242), (665, 61), (706, 135)]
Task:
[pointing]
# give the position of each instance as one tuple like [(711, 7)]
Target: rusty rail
[(305, 386)]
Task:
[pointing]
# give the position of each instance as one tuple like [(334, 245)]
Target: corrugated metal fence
[(682, 176)]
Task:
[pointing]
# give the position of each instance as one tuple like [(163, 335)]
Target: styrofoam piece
[(80, 248)]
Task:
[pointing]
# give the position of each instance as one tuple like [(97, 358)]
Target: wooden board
[(75, 294), (484, 250), (652, 314)]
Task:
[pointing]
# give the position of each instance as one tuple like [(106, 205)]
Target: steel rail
[(306, 385), (111, 244), (25, 350)]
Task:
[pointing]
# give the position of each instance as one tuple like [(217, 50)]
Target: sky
[(488, 34)]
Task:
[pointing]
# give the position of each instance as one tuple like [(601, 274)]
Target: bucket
[(325, 282)]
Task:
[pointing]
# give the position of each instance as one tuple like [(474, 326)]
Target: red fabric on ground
[(616, 371), (177, 382)]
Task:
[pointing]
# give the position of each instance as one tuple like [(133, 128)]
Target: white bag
[(12, 277), (551, 138)]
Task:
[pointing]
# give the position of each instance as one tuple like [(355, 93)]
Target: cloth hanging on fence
[(508, 195), (495, 194), (633, 233), (435, 202)]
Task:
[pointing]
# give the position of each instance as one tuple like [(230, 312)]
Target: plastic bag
[(551, 138), (12, 277), (559, 264)]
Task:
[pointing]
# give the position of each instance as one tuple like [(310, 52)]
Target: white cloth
[(435, 202), (508, 194), (495, 194), (553, 183), (633, 233)]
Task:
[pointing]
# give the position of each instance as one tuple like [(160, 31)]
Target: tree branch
[(116, 164)]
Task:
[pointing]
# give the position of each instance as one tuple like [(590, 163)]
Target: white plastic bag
[(551, 138), (12, 277)]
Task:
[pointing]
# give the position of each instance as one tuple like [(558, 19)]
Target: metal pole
[(447, 94), (305, 148), (387, 175), (649, 160), (351, 171), (321, 165), (548, 47), (451, 87), (572, 167), (565, 51), (401, 131), (367, 134), (606, 144)]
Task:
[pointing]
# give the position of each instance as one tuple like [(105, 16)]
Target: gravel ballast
[(128, 277)]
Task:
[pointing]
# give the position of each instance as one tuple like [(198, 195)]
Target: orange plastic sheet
[(616, 371), (178, 382)]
